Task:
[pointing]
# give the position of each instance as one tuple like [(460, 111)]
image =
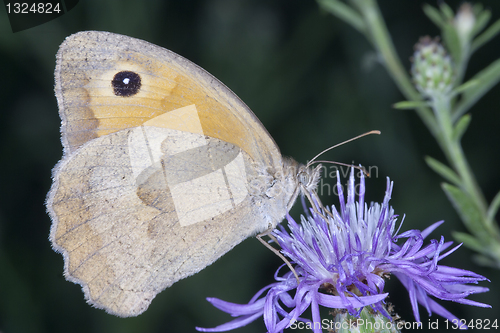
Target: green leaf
[(467, 85), (468, 211), (447, 11), (468, 240), (485, 261), (443, 170), (434, 15), (493, 209), (461, 126), (409, 105), (477, 8), (486, 78), (344, 12), (481, 21), (486, 36), (452, 41)]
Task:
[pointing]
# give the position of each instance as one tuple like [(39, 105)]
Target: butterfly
[(164, 170)]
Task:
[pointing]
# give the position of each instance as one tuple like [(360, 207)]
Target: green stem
[(454, 153), (461, 65), (381, 40)]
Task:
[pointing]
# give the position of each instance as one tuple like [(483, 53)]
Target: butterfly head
[(308, 178), (300, 179)]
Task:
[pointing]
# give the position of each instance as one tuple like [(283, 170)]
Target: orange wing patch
[(98, 111)]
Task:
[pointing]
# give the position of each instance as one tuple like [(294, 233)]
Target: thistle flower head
[(432, 68), (342, 258)]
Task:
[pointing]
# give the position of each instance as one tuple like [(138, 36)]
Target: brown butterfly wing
[(156, 185)]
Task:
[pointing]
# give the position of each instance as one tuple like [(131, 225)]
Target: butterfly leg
[(277, 252)]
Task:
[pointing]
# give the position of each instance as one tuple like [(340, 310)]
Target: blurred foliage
[(312, 80)]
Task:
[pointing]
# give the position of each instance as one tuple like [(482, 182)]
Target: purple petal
[(431, 228), (236, 323), (315, 315), (237, 309), (331, 301)]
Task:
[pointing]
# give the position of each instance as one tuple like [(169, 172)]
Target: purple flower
[(342, 258)]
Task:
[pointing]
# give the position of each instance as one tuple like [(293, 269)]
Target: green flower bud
[(432, 68), (464, 22), (368, 321)]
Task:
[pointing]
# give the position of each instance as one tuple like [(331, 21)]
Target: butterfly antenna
[(360, 168), (340, 144)]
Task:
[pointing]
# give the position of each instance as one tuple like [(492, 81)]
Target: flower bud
[(464, 22), (432, 68), (368, 321)]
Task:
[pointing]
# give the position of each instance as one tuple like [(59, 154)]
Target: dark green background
[(312, 81)]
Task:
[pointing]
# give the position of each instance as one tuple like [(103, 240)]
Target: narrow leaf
[(481, 21), (493, 209), (443, 170), (408, 105), (447, 11), (434, 15), (452, 42), (469, 213), (344, 12), (486, 36), (477, 8), (461, 126), (485, 261), (486, 78), (468, 240), (466, 86)]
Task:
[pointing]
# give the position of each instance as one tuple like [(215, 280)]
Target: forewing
[(86, 64)]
